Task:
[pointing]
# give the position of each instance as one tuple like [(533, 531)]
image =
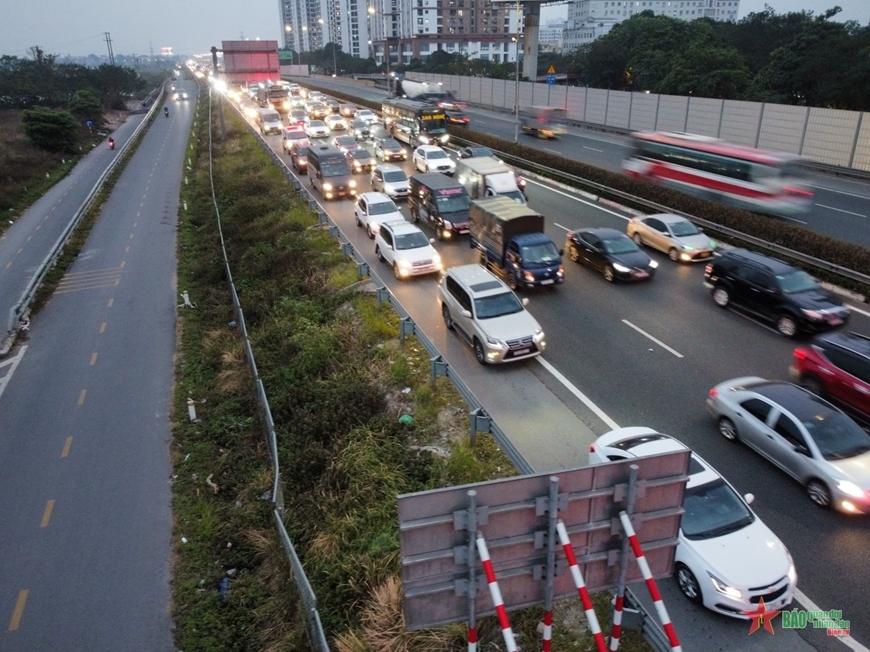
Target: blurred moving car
[(360, 160), (391, 180), (836, 366), (373, 209), (347, 110), (726, 558), (457, 117), (405, 248), (679, 238), (299, 157), (610, 252), (802, 434), (297, 117), (773, 291), (478, 151), (179, 95)]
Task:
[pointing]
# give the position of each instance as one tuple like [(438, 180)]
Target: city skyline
[(77, 28)]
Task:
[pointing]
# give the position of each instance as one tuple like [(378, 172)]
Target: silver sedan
[(802, 434), (679, 238)]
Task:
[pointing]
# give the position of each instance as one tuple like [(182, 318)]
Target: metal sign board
[(251, 61), (513, 515), (551, 79), (551, 70)]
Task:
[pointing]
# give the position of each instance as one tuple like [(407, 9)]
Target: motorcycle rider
[(166, 111), (111, 143)]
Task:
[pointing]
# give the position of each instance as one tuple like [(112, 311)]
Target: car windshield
[(796, 281), (302, 152), (541, 254), (398, 175), (382, 208), (335, 169), (837, 436), (346, 141), (619, 245), (454, 204), (480, 151), (497, 305), (365, 114), (389, 143), (294, 135), (683, 229), (360, 153), (712, 510), (411, 240), (316, 124), (359, 124), (435, 153)]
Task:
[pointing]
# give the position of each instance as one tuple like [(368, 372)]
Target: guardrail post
[(312, 204), (479, 422), (362, 270), (346, 247), (437, 367), (406, 327), (322, 218), (382, 294)]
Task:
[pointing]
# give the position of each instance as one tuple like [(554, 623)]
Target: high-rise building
[(591, 19)]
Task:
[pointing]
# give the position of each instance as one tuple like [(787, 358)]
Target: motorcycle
[(166, 111), (111, 143)]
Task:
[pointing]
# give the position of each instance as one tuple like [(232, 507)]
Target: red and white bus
[(752, 179)]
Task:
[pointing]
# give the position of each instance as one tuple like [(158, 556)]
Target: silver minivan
[(269, 121)]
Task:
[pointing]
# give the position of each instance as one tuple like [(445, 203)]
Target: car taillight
[(800, 192), (800, 354), (714, 393), (592, 448)]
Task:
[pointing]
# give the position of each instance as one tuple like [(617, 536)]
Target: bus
[(543, 121), (744, 177), (416, 123)]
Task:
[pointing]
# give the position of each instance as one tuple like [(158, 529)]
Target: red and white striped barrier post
[(495, 592), (591, 618), (548, 630), (650, 583), (617, 623)]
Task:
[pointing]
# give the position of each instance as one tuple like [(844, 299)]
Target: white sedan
[(373, 209), (316, 129), (431, 158), (335, 122), (726, 558)]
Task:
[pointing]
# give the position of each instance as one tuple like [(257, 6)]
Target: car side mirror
[(465, 313), (561, 252), (525, 301), (749, 498), (803, 450)]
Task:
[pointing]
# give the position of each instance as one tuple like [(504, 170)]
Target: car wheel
[(575, 255), (483, 260), (379, 254), (688, 584), (479, 352), (819, 493), (396, 272), (814, 385), (720, 297), (674, 255), (512, 281), (786, 325), (371, 233), (609, 276), (415, 215), (727, 429), (637, 239), (439, 232), (445, 313)]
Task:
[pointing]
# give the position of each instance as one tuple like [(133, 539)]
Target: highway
[(841, 207), (646, 355), (85, 520)]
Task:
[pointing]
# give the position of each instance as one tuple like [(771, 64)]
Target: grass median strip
[(338, 382)]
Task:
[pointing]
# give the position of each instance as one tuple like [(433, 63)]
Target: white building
[(591, 19)]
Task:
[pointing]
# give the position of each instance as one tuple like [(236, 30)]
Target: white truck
[(485, 177)]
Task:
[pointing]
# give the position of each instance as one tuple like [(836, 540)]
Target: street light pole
[(517, 84)]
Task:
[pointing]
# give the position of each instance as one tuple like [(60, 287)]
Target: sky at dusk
[(76, 27)]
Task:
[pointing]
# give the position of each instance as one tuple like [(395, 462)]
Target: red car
[(836, 366)]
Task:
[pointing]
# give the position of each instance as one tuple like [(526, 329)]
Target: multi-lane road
[(85, 519), (841, 206), (646, 354)]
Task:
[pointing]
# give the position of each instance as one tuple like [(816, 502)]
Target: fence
[(829, 136), (479, 420)]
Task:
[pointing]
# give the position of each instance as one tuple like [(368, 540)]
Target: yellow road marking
[(103, 327), (82, 396), (19, 610), (93, 358), (46, 515), (66, 446), (111, 301)]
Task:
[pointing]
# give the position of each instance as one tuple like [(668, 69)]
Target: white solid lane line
[(841, 192), (647, 335), (840, 210), (576, 392), (809, 605), (593, 149)]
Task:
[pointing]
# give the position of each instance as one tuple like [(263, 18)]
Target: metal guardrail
[(17, 311), (580, 183)]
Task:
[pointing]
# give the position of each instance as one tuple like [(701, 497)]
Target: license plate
[(640, 274), (704, 254), (549, 281), (835, 321), (521, 351)]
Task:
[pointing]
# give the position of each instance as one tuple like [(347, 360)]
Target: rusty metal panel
[(512, 514)]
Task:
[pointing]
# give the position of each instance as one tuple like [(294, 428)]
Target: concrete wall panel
[(643, 112), (596, 105), (619, 109), (782, 128), (704, 115), (830, 135), (576, 103), (740, 122), (672, 113), (862, 150)]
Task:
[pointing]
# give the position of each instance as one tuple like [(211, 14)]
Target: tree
[(85, 105), (706, 69), (55, 131)]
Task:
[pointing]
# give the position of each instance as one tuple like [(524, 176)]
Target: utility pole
[(109, 45), (220, 102)]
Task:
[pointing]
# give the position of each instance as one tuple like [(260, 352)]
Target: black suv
[(773, 291)]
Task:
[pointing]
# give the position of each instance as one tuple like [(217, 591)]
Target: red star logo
[(760, 615)]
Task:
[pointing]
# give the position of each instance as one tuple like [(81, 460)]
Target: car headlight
[(352, 183), (688, 248), (403, 264), (404, 154), (814, 314), (327, 186), (724, 589), (356, 164), (436, 259), (792, 571), (424, 139), (560, 271), (621, 268), (653, 264), (528, 276), (445, 138), (495, 342), (538, 335), (850, 488)]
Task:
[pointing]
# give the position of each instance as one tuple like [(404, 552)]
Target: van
[(330, 172), (269, 121), (441, 202)]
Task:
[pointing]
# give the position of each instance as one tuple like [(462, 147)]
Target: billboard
[(251, 61)]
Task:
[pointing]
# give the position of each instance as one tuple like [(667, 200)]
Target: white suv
[(406, 249), (391, 180), (373, 209), (477, 305), (431, 158)]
